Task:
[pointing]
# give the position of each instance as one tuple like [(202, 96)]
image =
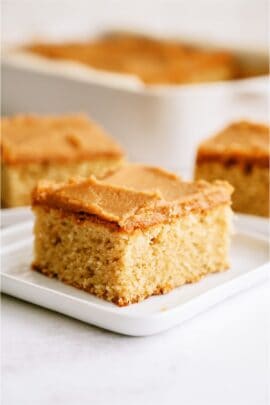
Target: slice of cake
[(54, 148), (239, 154), (138, 232)]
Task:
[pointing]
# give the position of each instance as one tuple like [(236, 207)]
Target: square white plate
[(12, 216), (249, 257)]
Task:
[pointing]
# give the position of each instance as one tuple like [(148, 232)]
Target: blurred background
[(236, 22), (174, 121)]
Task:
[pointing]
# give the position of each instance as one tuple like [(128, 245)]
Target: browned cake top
[(135, 196), (27, 139), (154, 61), (241, 141)]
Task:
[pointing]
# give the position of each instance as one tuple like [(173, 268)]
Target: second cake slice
[(51, 147), (239, 154)]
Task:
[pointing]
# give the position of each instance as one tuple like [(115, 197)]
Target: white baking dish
[(158, 124)]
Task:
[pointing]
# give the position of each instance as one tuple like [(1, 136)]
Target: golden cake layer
[(239, 154), (138, 232), (153, 61), (53, 148)]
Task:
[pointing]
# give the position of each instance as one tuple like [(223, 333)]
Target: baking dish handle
[(251, 97)]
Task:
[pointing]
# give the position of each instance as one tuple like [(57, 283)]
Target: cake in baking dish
[(54, 148), (239, 154), (137, 232), (151, 60)]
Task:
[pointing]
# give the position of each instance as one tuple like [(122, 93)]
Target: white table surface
[(219, 357)]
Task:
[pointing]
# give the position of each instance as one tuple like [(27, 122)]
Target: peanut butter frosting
[(153, 61), (135, 196), (41, 139), (241, 141)]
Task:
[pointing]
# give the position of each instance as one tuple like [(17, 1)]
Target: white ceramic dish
[(158, 124), (249, 254), (13, 216)]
